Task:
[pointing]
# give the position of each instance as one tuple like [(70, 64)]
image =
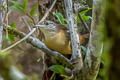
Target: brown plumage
[(58, 39)]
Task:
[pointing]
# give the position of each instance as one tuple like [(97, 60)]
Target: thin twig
[(84, 23), (25, 22), (32, 31), (13, 45), (31, 18), (40, 45), (27, 25), (47, 13)]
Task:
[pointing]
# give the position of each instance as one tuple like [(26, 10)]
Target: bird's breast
[(58, 43)]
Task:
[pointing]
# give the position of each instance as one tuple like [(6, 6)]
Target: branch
[(38, 44), (27, 25), (31, 18), (47, 13), (2, 16), (84, 23), (95, 47), (18, 42), (32, 31), (78, 8), (76, 53)]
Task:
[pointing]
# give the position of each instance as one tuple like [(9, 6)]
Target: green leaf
[(38, 60), (12, 8), (85, 11), (16, 8), (17, 4), (32, 12), (11, 37), (57, 69), (86, 18), (13, 25), (60, 17), (78, 19), (25, 4)]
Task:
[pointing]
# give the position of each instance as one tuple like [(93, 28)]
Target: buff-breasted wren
[(57, 38)]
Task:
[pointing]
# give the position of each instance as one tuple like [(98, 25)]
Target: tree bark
[(76, 52), (2, 15), (93, 55)]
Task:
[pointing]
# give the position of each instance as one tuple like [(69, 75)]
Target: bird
[(57, 38)]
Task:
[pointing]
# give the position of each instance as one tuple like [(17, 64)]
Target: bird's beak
[(40, 25), (43, 27)]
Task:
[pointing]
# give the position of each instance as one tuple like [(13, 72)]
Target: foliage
[(62, 20), (18, 6), (9, 36), (32, 11), (59, 69), (82, 13), (60, 17), (22, 8)]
